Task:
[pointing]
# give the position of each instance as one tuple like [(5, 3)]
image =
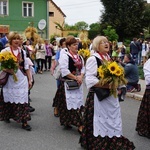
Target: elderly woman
[(71, 101), (102, 124), (15, 94)]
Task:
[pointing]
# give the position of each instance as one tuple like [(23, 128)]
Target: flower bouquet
[(113, 74), (9, 61), (85, 53)]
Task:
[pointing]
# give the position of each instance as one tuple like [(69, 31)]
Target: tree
[(69, 27), (146, 15), (95, 26), (81, 25), (94, 30), (110, 33), (126, 16)]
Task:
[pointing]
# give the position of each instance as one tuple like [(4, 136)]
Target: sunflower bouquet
[(113, 74), (85, 53), (8, 61)]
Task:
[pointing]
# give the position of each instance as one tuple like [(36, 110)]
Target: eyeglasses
[(104, 42)]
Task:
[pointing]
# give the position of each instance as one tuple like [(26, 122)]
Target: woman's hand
[(79, 79), (30, 84), (52, 71), (10, 71)]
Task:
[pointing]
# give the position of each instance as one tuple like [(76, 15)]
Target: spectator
[(3, 41), (48, 56), (40, 55), (131, 74), (115, 51), (134, 49), (144, 51)]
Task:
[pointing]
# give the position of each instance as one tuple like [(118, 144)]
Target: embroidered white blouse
[(107, 114), (146, 70), (74, 98), (17, 92)]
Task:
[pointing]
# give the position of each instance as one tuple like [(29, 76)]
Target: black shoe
[(140, 134), (31, 109), (26, 127), (121, 100), (56, 115), (30, 99), (68, 127), (7, 121)]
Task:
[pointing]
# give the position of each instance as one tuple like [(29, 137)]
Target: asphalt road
[(47, 134)]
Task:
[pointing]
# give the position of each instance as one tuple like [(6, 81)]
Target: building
[(17, 15), (55, 15)]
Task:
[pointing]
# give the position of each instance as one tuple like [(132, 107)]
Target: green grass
[(141, 73)]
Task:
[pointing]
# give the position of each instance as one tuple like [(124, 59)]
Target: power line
[(76, 4)]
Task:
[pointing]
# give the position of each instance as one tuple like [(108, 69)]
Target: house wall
[(18, 23), (58, 17)]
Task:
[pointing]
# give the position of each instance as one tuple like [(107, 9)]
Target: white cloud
[(80, 10)]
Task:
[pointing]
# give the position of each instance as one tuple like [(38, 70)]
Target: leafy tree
[(94, 30), (95, 26), (70, 27), (74, 34), (81, 25), (126, 16), (110, 33), (146, 15)]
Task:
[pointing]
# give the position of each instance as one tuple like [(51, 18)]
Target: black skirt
[(67, 117), (143, 119)]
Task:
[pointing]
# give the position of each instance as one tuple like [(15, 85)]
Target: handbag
[(101, 93), (3, 77), (71, 84), (57, 72)]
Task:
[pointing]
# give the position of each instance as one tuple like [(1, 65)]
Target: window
[(27, 9), (51, 14), (4, 7)]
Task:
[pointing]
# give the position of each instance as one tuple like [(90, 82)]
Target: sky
[(88, 11)]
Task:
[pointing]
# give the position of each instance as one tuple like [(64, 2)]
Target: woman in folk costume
[(15, 94), (71, 101), (102, 123), (143, 119), (55, 64)]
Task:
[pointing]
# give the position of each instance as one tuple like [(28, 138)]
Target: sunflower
[(113, 74), (118, 72), (100, 72), (113, 67)]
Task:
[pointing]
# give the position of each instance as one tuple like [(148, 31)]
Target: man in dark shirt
[(134, 49), (131, 74)]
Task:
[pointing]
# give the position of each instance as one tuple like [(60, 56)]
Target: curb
[(135, 96)]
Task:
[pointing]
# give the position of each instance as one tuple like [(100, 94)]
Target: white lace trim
[(74, 98), (107, 117)]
